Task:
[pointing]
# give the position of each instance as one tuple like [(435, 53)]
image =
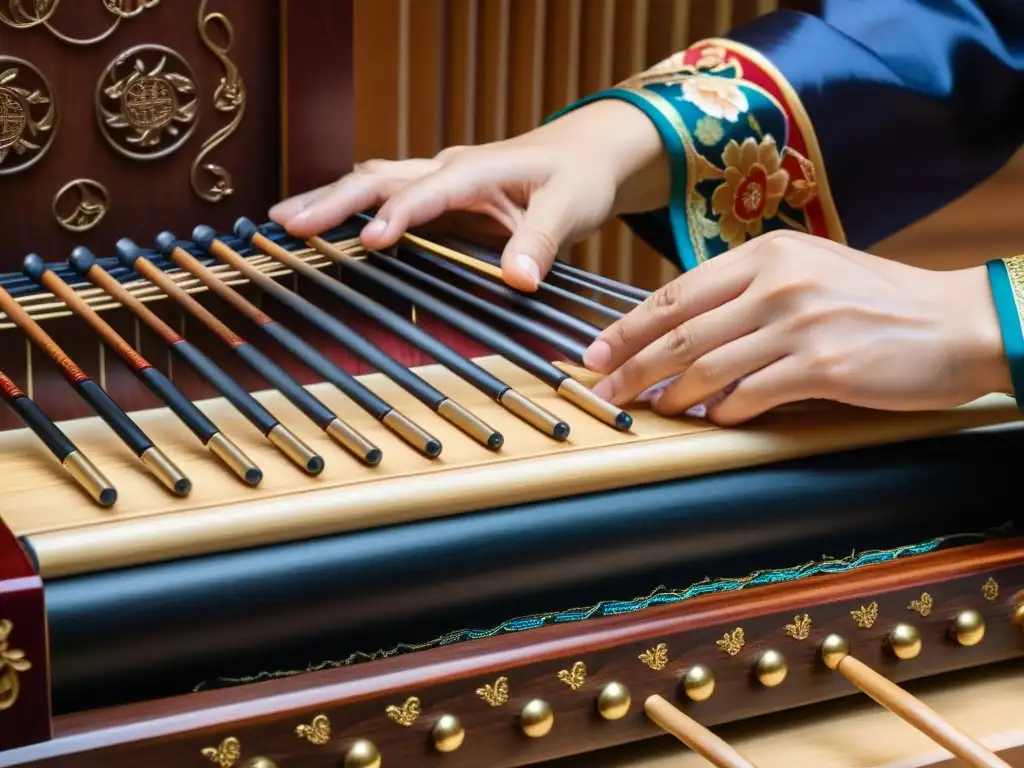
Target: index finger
[(715, 282)]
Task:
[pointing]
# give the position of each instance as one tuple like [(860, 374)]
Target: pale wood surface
[(987, 703), (72, 535)]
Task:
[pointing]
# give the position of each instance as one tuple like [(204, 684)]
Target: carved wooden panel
[(163, 107)]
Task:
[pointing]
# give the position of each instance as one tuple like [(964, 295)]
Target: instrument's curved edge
[(194, 531), (263, 716)]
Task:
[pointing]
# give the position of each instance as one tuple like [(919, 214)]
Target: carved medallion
[(146, 102), (81, 204), (24, 14), (28, 115)]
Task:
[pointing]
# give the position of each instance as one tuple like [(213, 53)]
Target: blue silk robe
[(849, 125)]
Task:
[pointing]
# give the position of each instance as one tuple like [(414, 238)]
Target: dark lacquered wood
[(27, 721), (264, 716)]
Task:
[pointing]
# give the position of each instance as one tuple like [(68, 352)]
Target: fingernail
[(598, 356), (529, 266), (375, 228)]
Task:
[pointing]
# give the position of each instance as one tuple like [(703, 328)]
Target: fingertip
[(598, 356)]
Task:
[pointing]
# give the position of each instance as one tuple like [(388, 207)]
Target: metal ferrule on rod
[(413, 434), (352, 441), (534, 415), (583, 398), (232, 456), (296, 450), (166, 472), (90, 478), (470, 424)]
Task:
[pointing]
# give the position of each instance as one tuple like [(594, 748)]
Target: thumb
[(536, 240)]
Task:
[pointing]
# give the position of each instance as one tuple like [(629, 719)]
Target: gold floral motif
[(709, 131), (12, 662), (318, 732), (732, 643), (866, 616), (713, 60), (226, 754), (803, 180), (496, 695), (753, 188), (656, 658), (27, 115), (800, 629), (923, 605), (576, 677), (93, 202), (406, 714), (228, 98), (152, 111), (25, 14), (990, 589)]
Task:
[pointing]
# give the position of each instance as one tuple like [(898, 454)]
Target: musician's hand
[(543, 190), (788, 317)]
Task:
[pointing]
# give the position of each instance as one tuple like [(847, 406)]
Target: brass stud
[(834, 650), (771, 668), (968, 627), (261, 762), (699, 683), (448, 734), (613, 701), (363, 754), (1018, 615), (905, 641), (537, 719)]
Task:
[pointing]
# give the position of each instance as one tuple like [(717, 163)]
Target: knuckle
[(680, 341)]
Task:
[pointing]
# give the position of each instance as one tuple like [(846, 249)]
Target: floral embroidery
[(709, 131), (803, 184), (715, 96), (754, 185)]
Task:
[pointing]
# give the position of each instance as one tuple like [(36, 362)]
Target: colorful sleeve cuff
[(743, 153), (1006, 277)]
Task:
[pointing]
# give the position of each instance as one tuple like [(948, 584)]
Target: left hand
[(789, 317)]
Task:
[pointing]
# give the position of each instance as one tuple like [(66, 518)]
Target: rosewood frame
[(264, 719)]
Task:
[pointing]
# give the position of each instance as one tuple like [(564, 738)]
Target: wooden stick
[(694, 735), (917, 713)]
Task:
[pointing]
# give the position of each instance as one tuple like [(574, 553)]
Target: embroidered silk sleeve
[(849, 125)]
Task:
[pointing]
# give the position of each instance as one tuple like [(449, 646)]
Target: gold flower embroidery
[(753, 188), (715, 96), (803, 184)]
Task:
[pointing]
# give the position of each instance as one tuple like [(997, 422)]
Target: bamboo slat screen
[(436, 73)]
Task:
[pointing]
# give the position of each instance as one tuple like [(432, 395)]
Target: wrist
[(621, 137), (979, 347)]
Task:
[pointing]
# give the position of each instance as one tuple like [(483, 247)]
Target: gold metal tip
[(225, 450), (583, 398), (90, 478), (771, 668), (362, 754), (968, 627), (413, 434), (470, 424), (613, 701), (534, 415), (351, 440), (296, 450), (448, 733), (166, 472)]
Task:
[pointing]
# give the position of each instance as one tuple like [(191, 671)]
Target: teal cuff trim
[(651, 226), (1009, 323)]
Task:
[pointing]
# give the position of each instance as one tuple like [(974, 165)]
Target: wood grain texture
[(23, 612), (264, 716)]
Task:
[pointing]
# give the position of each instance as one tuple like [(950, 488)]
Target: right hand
[(545, 190)]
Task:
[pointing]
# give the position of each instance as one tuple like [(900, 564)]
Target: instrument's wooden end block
[(24, 660)]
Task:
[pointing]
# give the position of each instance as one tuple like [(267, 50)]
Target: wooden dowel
[(694, 735), (917, 713)]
